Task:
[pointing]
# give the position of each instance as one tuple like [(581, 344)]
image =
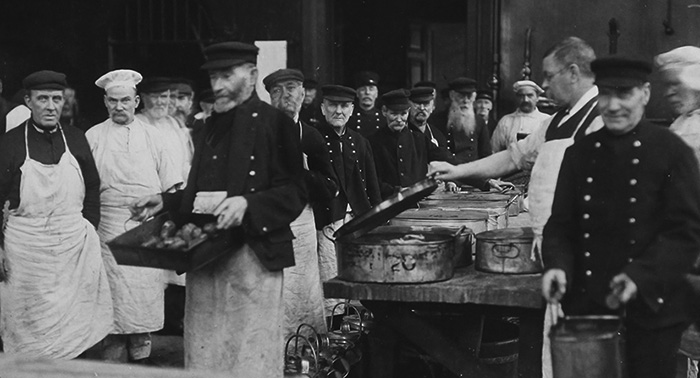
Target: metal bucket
[(497, 210), (506, 251), (588, 347), (499, 346), (464, 238)]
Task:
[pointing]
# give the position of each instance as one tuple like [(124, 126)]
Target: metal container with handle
[(506, 251)]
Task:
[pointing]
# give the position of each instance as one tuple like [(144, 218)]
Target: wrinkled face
[(121, 103), (482, 108), (622, 108), (69, 102), (183, 104), (287, 96), (367, 95), (420, 112), (527, 99), (395, 119), (462, 100), (555, 83), (46, 106), (679, 96), (157, 104), (172, 105), (337, 113), (229, 84), (309, 95)]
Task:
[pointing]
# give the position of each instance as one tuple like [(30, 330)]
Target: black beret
[(422, 94), (425, 83), (283, 74), (484, 94), (338, 93), (207, 96), (364, 78), (620, 72), (310, 84), (396, 100), (228, 54), (463, 85), (45, 80), (156, 84), (182, 85)]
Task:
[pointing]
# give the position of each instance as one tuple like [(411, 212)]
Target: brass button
[(264, 229), (660, 301), (252, 173), (635, 161), (597, 145), (589, 180), (587, 254), (633, 200), (633, 182), (586, 216), (589, 273), (214, 157), (632, 220), (637, 143), (587, 198), (586, 235)]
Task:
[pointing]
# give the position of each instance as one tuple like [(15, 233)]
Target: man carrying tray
[(247, 171)]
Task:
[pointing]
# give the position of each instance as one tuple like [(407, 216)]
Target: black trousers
[(652, 353)]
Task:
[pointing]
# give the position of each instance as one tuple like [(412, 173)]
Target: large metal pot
[(463, 236), (512, 196), (497, 210), (506, 251), (396, 257)]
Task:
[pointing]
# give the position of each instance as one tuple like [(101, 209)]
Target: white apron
[(303, 294), (233, 313), (57, 303), (137, 292)]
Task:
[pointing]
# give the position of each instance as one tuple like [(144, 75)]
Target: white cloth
[(57, 302), (16, 117), (515, 123), (132, 164), (177, 141), (303, 294), (687, 126)]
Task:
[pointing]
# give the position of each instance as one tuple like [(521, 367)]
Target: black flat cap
[(463, 85), (228, 54), (620, 72), (284, 74), (364, 78), (338, 93), (310, 84), (207, 96), (484, 94), (396, 100), (155, 84), (182, 85), (50, 80), (422, 95), (425, 83)]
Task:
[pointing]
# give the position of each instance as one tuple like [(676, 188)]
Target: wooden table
[(470, 293)]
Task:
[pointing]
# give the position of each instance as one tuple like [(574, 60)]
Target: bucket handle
[(316, 336), (328, 232), (313, 351), (505, 251), (347, 304)]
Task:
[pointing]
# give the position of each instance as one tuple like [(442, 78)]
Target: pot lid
[(463, 204), (468, 196), (387, 209), (522, 233), (443, 214)]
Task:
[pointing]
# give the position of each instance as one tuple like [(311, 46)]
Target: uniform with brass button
[(367, 119)]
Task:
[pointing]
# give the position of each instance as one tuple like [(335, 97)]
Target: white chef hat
[(686, 59), (116, 78), (527, 83)]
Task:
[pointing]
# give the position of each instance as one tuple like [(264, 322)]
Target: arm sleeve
[(91, 203), (320, 179), (10, 150)]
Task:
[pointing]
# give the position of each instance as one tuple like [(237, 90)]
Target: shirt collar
[(591, 93)]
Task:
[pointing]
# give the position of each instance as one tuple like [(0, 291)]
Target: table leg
[(530, 343)]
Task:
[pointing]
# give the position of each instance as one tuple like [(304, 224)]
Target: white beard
[(461, 120)]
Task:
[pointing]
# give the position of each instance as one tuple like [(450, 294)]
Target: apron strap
[(26, 139)]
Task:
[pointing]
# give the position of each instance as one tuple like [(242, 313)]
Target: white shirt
[(687, 126), (177, 140), (515, 123)]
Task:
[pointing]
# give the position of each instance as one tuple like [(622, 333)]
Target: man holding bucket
[(625, 223)]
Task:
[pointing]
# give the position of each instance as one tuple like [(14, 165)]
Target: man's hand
[(554, 285), (443, 171), (452, 187), (622, 290), (4, 266), (501, 186), (145, 207), (230, 212)]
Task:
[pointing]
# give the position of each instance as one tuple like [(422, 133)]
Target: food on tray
[(408, 238), (186, 237)]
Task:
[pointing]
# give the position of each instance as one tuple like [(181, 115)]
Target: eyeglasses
[(549, 77)]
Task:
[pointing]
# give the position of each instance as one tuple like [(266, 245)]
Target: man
[(247, 171), (483, 105), (521, 123), (310, 111), (183, 101), (625, 223), (568, 79), (206, 104), (303, 294), (132, 163), (353, 165), (56, 301), (422, 100), (467, 135), (367, 118), (156, 96)]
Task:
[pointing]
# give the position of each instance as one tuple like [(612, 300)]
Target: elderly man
[(303, 294), (156, 95), (568, 79), (310, 111), (182, 87), (422, 100), (367, 118), (483, 105), (524, 121), (248, 172), (56, 301), (467, 135), (132, 163), (353, 165), (625, 223)]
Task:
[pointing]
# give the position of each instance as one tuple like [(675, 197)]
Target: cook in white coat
[(132, 162)]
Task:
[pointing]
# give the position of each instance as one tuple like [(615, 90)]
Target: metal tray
[(128, 250)]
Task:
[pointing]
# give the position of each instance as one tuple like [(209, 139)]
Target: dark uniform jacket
[(354, 166), (253, 150), (433, 134), (366, 123), (402, 157), (468, 148), (626, 203), (311, 114), (320, 179)]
